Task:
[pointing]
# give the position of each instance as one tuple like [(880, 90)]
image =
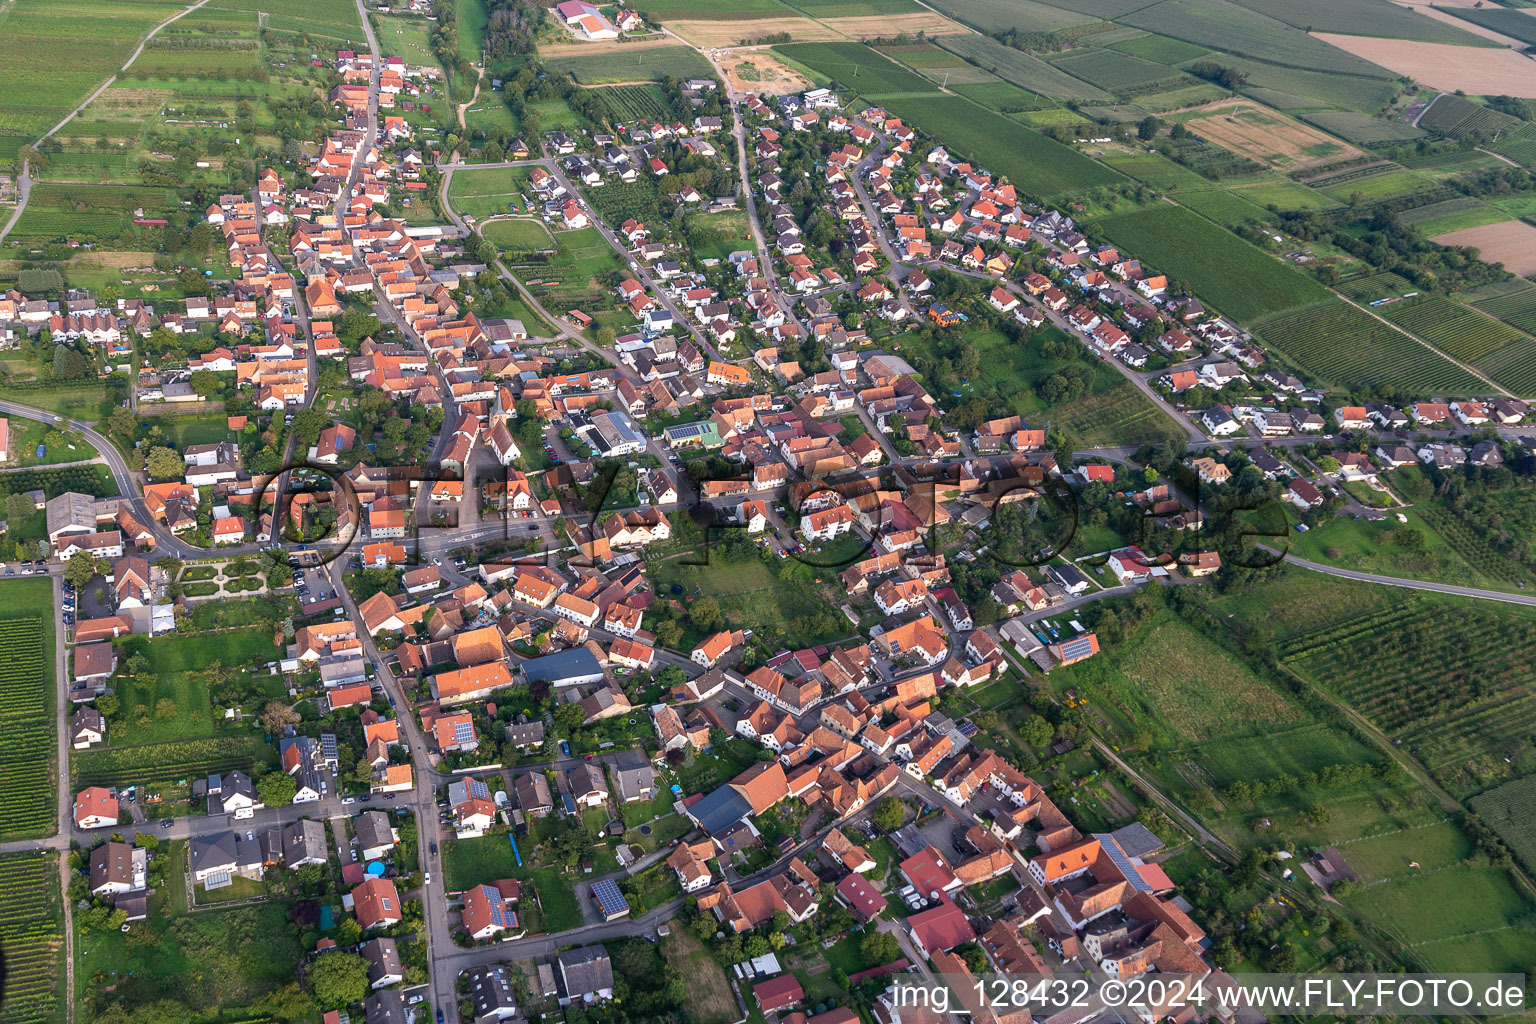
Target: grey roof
[(525, 734), (386, 1006), (576, 663), (720, 809), (1137, 840), (303, 841), (533, 792), (372, 829), (491, 990), (585, 971), (206, 853), (383, 958), (636, 780)]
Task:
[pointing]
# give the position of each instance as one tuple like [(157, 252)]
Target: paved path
[(24, 179), (1397, 581)]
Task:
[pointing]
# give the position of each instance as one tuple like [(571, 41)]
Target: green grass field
[(1227, 208), (200, 674), (858, 68), (651, 63), (522, 235), (1226, 272), (1021, 69), (1162, 49), (1037, 165)]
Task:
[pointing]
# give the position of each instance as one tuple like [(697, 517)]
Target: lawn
[(521, 235), (471, 862), (216, 963), (754, 595), (632, 64), (201, 674), (1387, 548), (709, 999), (1193, 688), (1228, 273)]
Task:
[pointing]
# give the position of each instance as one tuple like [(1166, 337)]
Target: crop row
[(28, 728), (165, 762), (1455, 329), (31, 936), (1343, 344)]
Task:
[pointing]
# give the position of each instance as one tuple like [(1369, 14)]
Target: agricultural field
[(84, 212), (1440, 65), (634, 64), (1002, 15), (1294, 88), (1120, 73), (1228, 209), (1375, 286), (32, 102), (1345, 345), (858, 68), (1507, 22), (1456, 330), (1451, 215), (1156, 170), (1039, 166), (32, 939), (481, 193), (1226, 272), (672, 10), (1286, 195), (619, 201), (1361, 129), (855, 8), (1003, 97), (631, 102), (1510, 242), (1379, 183), (26, 711), (1365, 18), (1513, 365), (1162, 49), (1516, 306), (1510, 810), (1222, 25), (1120, 412), (325, 21), (1266, 136), (167, 764), (1021, 69), (1448, 682)]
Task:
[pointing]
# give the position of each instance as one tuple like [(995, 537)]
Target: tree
[(206, 383), (276, 715), (1146, 131), (879, 948), (889, 814), (338, 980), (108, 704), (1037, 732), (164, 464), (569, 716), (605, 336), (276, 789), (706, 613), (17, 508), (165, 708), (80, 569)]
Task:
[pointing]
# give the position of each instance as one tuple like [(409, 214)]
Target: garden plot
[(1267, 136)]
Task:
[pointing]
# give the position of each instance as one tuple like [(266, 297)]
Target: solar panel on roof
[(1079, 648), (463, 732)]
